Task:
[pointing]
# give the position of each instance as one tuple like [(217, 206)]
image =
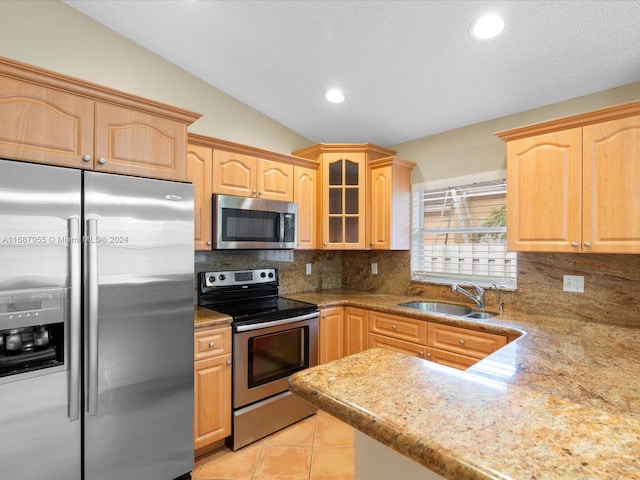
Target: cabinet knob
[(211, 344), (325, 244), (102, 161), (587, 244), (574, 244), (209, 243), (324, 315), (393, 327), (229, 362), (421, 353), (461, 342), (86, 158), (253, 191), (429, 355)]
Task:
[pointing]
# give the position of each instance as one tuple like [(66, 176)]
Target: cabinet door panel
[(455, 360), (234, 174), (212, 415), (343, 204), (43, 125), (199, 169), (402, 328), (464, 341), (380, 218), (356, 330), (544, 209), (275, 180), (611, 186), (331, 334), (401, 346), (137, 143), (305, 195)]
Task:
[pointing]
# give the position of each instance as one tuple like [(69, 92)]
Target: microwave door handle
[(280, 227)]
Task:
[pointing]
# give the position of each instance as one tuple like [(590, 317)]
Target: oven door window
[(277, 355), (250, 225)]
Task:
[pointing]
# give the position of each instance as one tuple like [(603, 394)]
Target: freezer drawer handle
[(75, 252), (92, 302)]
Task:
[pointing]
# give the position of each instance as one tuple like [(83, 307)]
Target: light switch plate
[(573, 283), (374, 269), (308, 268)]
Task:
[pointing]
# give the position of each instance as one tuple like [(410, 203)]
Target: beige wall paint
[(475, 148), (52, 35)]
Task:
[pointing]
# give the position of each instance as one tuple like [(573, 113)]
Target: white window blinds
[(459, 234)]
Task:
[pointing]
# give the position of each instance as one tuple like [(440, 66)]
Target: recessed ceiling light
[(487, 27), (334, 96)]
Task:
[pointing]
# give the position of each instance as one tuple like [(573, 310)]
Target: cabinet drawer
[(455, 360), (211, 342), (409, 348), (402, 328), (462, 340)]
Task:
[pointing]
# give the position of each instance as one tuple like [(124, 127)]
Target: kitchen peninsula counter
[(560, 402)]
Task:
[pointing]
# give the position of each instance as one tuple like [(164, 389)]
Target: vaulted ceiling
[(408, 69)]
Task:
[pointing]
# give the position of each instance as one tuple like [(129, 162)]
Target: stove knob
[(212, 279), (222, 277), (263, 274), (270, 274)]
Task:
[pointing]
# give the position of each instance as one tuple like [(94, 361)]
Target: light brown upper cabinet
[(573, 183), (199, 170), (390, 204), (349, 200), (247, 176), (220, 166), (49, 118), (305, 194)]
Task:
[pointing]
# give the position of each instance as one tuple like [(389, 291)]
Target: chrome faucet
[(479, 298)]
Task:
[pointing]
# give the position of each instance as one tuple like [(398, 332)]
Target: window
[(459, 232)]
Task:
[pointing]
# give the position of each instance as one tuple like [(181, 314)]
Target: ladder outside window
[(459, 234)]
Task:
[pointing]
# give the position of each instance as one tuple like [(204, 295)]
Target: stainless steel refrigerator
[(96, 325)]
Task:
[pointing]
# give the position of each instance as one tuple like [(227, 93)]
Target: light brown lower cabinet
[(402, 334), (330, 334), (212, 388), (356, 330), (460, 347), (389, 343)]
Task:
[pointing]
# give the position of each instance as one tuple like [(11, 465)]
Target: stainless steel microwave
[(253, 223)]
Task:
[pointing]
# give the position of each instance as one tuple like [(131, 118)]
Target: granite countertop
[(205, 317), (560, 402)]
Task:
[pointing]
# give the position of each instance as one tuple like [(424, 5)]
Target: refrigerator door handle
[(92, 307), (75, 344)]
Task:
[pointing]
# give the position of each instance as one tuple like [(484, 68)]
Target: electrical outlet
[(308, 268), (374, 269), (573, 283)]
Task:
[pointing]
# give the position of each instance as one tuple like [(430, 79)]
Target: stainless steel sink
[(446, 309)]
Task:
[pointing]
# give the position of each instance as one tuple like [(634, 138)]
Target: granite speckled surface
[(561, 402), (204, 317)]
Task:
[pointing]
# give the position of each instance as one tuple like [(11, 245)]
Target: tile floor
[(317, 448)]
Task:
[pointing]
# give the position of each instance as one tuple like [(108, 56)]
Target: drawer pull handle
[(211, 344), (461, 342)]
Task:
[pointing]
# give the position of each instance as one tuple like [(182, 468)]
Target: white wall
[(52, 35)]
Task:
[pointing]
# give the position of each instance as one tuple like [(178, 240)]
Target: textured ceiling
[(408, 68)]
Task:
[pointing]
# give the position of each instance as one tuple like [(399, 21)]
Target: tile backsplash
[(611, 293)]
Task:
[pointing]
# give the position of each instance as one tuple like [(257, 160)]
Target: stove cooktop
[(264, 310)]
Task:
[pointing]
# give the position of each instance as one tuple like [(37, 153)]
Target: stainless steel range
[(273, 337)]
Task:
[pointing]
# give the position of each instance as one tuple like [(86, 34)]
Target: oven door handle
[(275, 323)]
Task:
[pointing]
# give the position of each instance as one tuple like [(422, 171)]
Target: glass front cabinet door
[(344, 205)]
